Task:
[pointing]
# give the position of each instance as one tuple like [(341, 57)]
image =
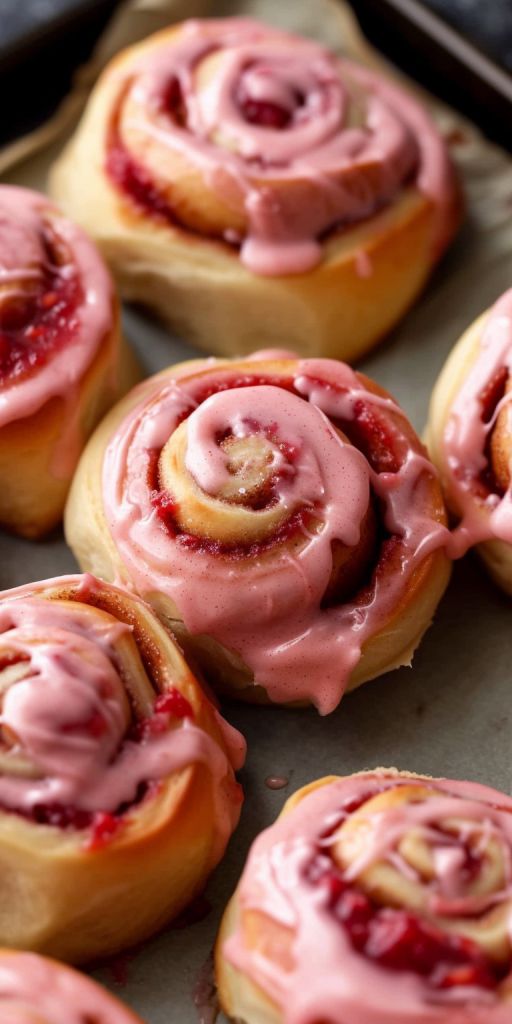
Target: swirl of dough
[(383, 896), (279, 514)]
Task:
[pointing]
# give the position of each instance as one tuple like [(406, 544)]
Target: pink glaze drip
[(24, 262), (466, 434), (335, 119), (70, 716), (34, 990), (296, 649), (330, 979)]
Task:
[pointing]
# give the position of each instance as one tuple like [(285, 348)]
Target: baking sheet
[(447, 715)]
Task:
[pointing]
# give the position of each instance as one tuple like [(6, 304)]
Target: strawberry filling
[(400, 940), (264, 114), (32, 328)]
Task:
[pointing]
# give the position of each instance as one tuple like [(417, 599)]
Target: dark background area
[(43, 41)]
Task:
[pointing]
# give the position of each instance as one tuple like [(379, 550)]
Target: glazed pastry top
[(394, 897), (481, 404), (289, 141), (226, 488), (38, 991), (84, 735)]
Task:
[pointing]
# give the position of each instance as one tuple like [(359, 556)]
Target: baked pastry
[(35, 990), (279, 514), (250, 185), (61, 358), (376, 898), (469, 436), (117, 791)]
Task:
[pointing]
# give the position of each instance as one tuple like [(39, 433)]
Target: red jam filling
[(247, 380), (264, 114), (173, 703), (173, 103), (33, 328), (104, 827), (169, 705), (400, 940), (374, 437), (135, 182), (166, 509), (493, 393)]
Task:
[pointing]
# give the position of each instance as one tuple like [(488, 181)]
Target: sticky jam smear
[(36, 324)]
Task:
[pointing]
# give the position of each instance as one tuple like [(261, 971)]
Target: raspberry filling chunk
[(34, 326), (400, 940)]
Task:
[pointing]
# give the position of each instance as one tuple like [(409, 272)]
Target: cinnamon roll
[(35, 990), (300, 196), (61, 358), (279, 514), (117, 792), (378, 897), (469, 435)]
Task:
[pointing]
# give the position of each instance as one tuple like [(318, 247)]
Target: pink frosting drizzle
[(330, 980), (70, 716), (296, 649), (338, 118), (466, 434), (34, 990), (24, 260)]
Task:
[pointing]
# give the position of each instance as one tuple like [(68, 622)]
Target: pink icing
[(34, 990), (284, 111), (296, 648), (71, 719), (466, 435), (330, 980), (24, 263)]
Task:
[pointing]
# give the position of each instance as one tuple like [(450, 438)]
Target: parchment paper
[(450, 713)]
